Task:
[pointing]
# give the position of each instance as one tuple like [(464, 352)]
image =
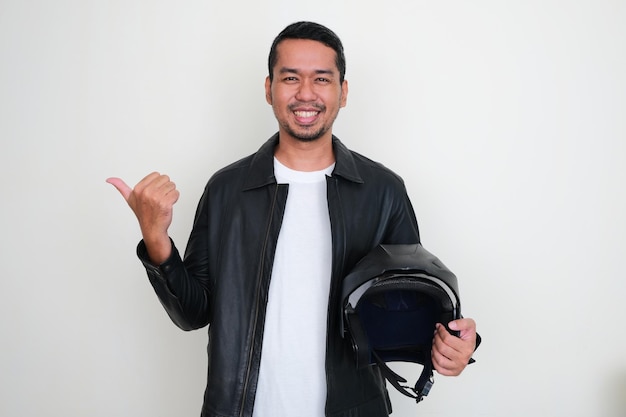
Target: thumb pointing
[(121, 186)]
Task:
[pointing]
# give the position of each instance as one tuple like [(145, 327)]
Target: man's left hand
[(451, 354)]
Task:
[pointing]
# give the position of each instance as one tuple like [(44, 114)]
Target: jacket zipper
[(258, 304)]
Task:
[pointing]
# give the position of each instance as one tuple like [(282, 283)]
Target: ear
[(268, 90), (344, 93)]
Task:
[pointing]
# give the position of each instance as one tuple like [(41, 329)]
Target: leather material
[(224, 278)]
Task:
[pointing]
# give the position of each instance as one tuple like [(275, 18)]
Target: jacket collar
[(261, 170)]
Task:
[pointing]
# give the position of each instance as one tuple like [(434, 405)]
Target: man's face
[(306, 93)]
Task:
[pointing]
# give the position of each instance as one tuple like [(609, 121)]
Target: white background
[(505, 118)]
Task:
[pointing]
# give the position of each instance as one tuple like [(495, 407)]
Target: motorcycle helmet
[(391, 302)]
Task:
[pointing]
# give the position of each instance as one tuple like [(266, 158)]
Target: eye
[(323, 80), (290, 79)]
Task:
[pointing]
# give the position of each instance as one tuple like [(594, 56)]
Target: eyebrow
[(285, 70)]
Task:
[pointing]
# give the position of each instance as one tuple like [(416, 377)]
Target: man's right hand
[(152, 200)]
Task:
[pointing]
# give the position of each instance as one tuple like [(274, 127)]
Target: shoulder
[(249, 172), (375, 170), (231, 171), (358, 168)]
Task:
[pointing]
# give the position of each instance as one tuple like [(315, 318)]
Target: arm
[(181, 288)]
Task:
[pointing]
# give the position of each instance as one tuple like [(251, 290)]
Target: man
[(273, 236)]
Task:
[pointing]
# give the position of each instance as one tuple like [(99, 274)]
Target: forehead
[(305, 54)]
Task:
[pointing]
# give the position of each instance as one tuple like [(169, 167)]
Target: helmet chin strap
[(363, 351), (422, 386)]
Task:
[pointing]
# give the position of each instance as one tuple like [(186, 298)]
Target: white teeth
[(305, 113)]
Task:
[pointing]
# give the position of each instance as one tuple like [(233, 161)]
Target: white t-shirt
[(292, 375)]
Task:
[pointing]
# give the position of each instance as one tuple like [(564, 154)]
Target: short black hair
[(312, 31)]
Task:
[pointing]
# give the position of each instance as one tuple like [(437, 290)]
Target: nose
[(306, 91)]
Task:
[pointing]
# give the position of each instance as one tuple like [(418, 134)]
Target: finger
[(446, 359), (158, 187), (445, 343), (164, 184), (452, 346), (462, 324), (443, 364), (121, 186), (173, 194), (151, 180), (466, 328)]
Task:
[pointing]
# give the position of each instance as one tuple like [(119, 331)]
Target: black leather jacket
[(224, 278)]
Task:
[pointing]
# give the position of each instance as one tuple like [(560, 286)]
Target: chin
[(307, 136)]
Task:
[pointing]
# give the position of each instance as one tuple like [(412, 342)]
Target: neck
[(305, 156)]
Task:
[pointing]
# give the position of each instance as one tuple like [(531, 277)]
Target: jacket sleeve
[(402, 227), (185, 300), (183, 285)]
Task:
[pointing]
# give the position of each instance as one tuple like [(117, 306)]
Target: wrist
[(159, 248)]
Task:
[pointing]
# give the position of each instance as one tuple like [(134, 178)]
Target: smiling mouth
[(306, 117), (306, 114)]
